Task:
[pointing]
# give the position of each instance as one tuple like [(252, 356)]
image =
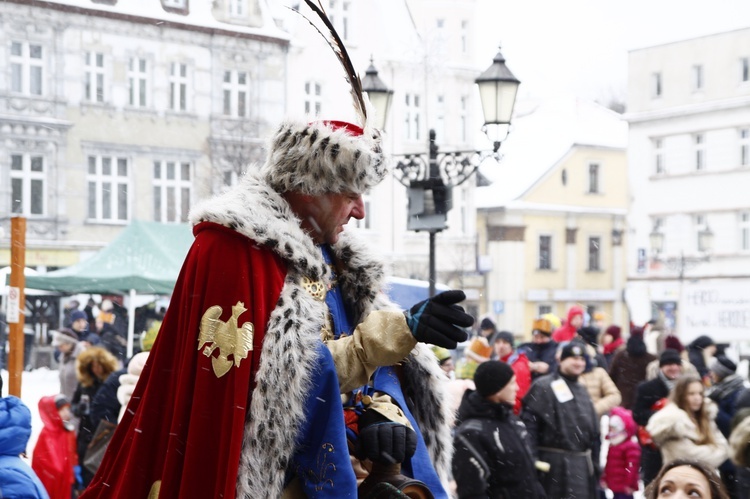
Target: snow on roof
[(200, 14), (542, 134)]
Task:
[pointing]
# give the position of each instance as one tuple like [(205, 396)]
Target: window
[(365, 223), (176, 4), (236, 8), (700, 152), (313, 100), (745, 147), (545, 252), (659, 157), (699, 225), (593, 178), (412, 119), (656, 85), (172, 187), (440, 23), (697, 77), (178, 87), (94, 77), (27, 184), (745, 231), (464, 36), (339, 14), (26, 68), (745, 69), (595, 253), (544, 309), (138, 82), (564, 177), (108, 183), (440, 118), (463, 118), (236, 91)]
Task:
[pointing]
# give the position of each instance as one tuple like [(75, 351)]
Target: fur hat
[(543, 326), (722, 366), (670, 356), (324, 157), (491, 377)]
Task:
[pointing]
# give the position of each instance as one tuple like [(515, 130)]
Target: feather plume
[(337, 45)]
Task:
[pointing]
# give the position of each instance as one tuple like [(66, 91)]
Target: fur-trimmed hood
[(255, 210)]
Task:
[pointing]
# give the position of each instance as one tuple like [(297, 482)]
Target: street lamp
[(682, 262), (431, 177)]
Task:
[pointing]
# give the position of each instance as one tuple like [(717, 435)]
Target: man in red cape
[(276, 313)]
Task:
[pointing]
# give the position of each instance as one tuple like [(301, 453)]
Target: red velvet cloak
[(184, 425)]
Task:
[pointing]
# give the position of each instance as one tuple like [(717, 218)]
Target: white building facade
[(689, 172)]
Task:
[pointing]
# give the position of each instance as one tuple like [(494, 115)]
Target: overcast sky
[(580, 46)]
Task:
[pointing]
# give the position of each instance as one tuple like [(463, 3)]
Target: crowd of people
[(95, 385), (540, 413)]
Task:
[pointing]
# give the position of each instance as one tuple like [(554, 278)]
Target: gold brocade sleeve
[(382, 339), (384, 404)]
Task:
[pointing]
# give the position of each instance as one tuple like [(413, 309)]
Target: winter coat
[(54, 454), (17, 479), (564, 434), (628, 368), (492, 457), (696, 354), (724, 394), (520, 365), (105, 405), (623, 458), (602, 390), (67, 371), (566, 332), (541, 352), (677, 436)]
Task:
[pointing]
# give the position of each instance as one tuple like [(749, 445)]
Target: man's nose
[(358, 210)]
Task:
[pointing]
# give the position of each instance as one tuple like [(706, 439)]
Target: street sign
[(498, 306), (14, 305)]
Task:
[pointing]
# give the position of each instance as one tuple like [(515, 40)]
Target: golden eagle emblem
[(227, 337)]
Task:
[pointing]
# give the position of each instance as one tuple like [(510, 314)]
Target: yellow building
[(551, 227)]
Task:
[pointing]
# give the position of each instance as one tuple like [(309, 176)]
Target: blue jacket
[(17, 479)]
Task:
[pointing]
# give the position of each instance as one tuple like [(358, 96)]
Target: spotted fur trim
[(289, 357), (315, 158)]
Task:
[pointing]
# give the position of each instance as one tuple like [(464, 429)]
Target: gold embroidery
[(320, 479), (228, 337), (154, 492), (316, 288)]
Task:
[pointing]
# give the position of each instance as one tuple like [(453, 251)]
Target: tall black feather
[(337, 45)]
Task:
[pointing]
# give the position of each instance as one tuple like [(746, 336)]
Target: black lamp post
[(430, 178)]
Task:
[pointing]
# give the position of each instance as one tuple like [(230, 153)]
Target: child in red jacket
[(55, 459), (624, 455)]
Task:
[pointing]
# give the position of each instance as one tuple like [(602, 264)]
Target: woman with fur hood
[(93, 367), (686, 427)]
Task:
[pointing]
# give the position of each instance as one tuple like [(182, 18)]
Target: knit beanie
[(572, 349), (77, 315), (722, 366), (506, 336), (614, 331), (674, 343), (491, 377), (670, 356), (486, 324)]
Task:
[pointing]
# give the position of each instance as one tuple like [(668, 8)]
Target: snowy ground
[(40, 382)]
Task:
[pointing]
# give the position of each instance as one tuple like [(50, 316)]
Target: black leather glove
[(436, 319), (384, 441)]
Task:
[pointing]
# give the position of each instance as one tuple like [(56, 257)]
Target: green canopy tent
[(145, 258)]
